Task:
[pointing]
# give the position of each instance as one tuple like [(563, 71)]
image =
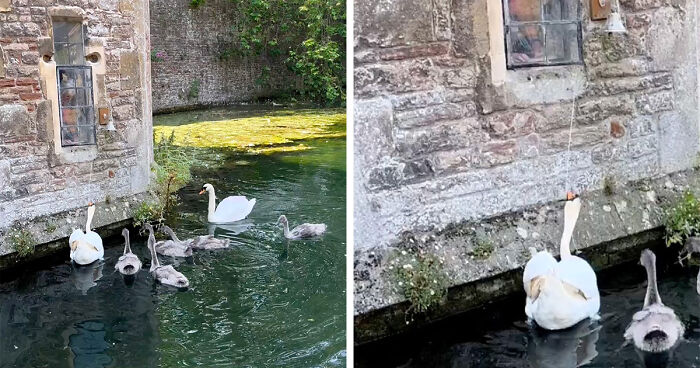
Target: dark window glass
[(77, 112), (542, 32), (76, 105), (68, 43)]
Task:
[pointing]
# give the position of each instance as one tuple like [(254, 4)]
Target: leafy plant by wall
[(421, 279), (194, 4), (682, 220), (193, 93), (22, 241), (171, 172)]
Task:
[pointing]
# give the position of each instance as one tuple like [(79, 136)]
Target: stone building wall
[(446, 137), (43, 186), (192, 43)]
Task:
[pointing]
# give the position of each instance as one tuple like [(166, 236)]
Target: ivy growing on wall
[(308, 36)]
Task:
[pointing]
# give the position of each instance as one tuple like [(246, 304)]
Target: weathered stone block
[(374, 120), (558, 141), (431, 114), (631, 84), (656, 102), (512, 124), (364, 56), (14, 120), (595, 110), (417, 142), (678, 141), (497, 153), (5, 6), (5, 170), (641, 126), (400, 77), (46, 46), (470, 30), (130, 70), (388, 23)]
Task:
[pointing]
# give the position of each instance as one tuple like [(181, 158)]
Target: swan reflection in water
[(89, 345), (85, 277), (573, 347)]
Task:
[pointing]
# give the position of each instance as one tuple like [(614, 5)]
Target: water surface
[(265, 302), (498, 336)]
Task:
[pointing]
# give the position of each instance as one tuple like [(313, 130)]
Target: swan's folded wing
[(579, 274), (95, 241), (540, 264), (76, 235), (234, 208)]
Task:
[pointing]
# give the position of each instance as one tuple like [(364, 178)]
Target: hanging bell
[(614, 23), (110, 126)]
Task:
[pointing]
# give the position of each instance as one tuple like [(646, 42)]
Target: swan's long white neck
[(212, 201), (571, 212), (90, 214)]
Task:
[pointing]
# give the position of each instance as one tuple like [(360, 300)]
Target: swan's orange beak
[(91, 204), (570, 196), (202, 191)]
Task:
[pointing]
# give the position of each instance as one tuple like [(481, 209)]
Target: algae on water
[(262, 132)]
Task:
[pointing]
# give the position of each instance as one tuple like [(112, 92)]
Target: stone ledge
[(610, 231), (50, 232)]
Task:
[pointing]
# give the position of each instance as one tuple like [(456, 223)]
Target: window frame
[(88, 90), (542, 24)]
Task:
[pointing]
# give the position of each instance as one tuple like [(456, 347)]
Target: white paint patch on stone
[(621, 206), (522, 232), (651, 196)]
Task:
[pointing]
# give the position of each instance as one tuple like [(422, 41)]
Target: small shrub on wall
[(171, 172), (682, 220)]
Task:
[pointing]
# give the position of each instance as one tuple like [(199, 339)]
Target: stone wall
[(192, 43), (445, 136), (40, 181)]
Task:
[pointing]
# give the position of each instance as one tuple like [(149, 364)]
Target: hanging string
[(568, 187)]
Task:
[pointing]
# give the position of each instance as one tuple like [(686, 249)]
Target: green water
[(264, 302)]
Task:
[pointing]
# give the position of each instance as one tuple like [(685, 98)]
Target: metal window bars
[(76, 106), (553, 39)]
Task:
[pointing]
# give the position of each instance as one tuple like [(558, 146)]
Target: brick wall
[(192, 42), (36, 178), (439, 142)]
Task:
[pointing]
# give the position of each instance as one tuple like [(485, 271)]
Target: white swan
[(231, 209), (655, 328), (561, 294), (86, 247), (303, 231)]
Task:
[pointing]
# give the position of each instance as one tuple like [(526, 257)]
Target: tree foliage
[(307, 35)]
